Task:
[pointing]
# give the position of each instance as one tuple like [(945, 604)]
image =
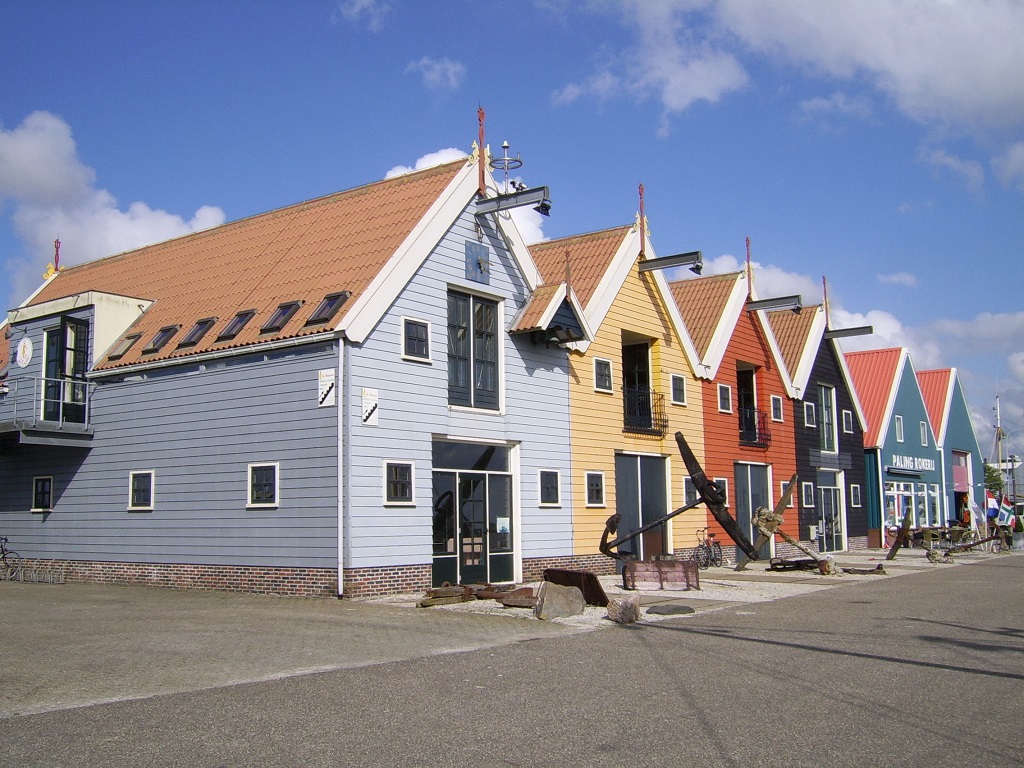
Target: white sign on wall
[(326, 391), (371, 401)]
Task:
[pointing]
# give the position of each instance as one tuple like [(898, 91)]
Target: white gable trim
[(611, 283), (894, 386), (689, 350), (809, 353), (734, 306)]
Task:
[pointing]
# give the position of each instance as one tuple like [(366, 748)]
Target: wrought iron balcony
[(643, 411), (754, 430)]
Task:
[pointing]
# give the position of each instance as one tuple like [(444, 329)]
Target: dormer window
[(281, 316), (162, 337), (237, 324), (328, 308), (197, 332), (123, 346)]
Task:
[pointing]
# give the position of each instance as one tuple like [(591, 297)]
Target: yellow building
[(631, 389)]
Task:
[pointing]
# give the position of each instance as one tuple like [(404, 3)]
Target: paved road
[(926, 669)]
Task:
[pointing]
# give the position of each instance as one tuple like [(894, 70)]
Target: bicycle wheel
[(716, 554), (12, 565), (703, 556)]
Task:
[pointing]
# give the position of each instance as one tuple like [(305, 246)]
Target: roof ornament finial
[(824, 301), (750, 274), (568, 271), (643, 222), (481, 175), (53, 268), (506, 164)]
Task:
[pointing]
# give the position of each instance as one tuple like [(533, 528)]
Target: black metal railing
[(754, 429), (643, 411)]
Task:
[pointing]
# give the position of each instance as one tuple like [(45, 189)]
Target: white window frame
[(807, 495), (672, 379), (611, 375), (35, 479), (782, 493), (411, 501), (540, 488), (277, 486), (690, 492), (725, 389), (855, 500), (723, 483), (847, 422), (899, 429), (810, 415), (428, 360), (132, 507), (924, 434), (604, 497), (776, 400)]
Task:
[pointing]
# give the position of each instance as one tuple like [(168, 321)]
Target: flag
[(991, 505), (1005, 512)]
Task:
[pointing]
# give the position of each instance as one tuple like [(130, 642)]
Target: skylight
[(123, 346), (281, 316), (237, 324), (328, 308), (162, 337), (197, 332)]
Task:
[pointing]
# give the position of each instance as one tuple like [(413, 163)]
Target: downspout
[(343, 457)]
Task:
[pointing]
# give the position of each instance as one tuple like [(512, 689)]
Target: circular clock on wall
[(24, 356)]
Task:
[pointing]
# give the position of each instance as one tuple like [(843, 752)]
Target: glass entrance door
[(752, 491), (641, 497)]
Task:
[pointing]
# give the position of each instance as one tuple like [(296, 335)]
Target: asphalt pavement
[(925, 669)]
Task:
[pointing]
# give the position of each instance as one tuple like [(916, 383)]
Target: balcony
[(754, 430), (46, 411), (643, 412)]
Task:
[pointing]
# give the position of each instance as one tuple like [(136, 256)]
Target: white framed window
[(855, 496), (398, 483), (677, 388), (690, 494), (595, 489), (549, 483), (810, 415), (848, 422), (141, 490), (924, 433), (264, 488), (899, 429), (602, 375), (777, 412), (724, 398), (807, 495), (723, 483), (42, 494), (415, 340), (783, 485), (474, 351)]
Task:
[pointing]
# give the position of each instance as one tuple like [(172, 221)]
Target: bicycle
[(9, 560), (709, 551)]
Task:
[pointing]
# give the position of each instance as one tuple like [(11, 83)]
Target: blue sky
[(880, 144)]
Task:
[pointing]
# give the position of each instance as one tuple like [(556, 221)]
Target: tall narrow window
[(848, 422), (472, 351), (899, 429), (678, 389), (827, 404), (725, 398), (924, 433), (595, 489), (549, 488), (140, 490), (42, 494), (263, 485), (777, 414), (602, 375)]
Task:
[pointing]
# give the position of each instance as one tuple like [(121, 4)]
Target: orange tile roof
[(539, 301), (299, 253), (935, 391), (588, 256), (702, 302), (792, 332), (874, 376)]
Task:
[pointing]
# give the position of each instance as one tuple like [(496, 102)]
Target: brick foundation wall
[(385, 580), (533, 568)]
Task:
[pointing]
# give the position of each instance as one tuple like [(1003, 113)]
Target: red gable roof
[(874, 376)]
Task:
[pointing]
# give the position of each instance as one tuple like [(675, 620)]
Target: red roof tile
[(935, 391), (874, 376), (702, 302), (586, 256)]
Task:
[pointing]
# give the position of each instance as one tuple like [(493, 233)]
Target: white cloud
[(53, 194), (372, 11), (898, 278), (769, 281), (438, 74), (970, 172), (1009, 166), (838, 104), (427, 161)]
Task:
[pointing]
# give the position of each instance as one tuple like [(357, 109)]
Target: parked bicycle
[(10, 561), (709, 551)]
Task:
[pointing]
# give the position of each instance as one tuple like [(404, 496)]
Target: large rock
[(624, 609), (557, 602)]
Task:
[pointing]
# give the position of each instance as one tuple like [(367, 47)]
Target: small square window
[(783, 487), (810, 415), (724, 398), (238, 322), (690, 494), (550, 495), (807, 495), (140, 490), (42, 494), (398, 484), (678, 389), (777, 413), (595, 489), (162, 337), (924, 433), (602, 375), (854, 495), (415, 339), (263, 485), (123, 346), (723, 485), (197, 331), (328, 308), (899, 429), (848, 422), (281, 316)]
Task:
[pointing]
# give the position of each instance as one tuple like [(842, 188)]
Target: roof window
[(281, 316), (162, 337), (237, 324), (123, 346), (328, 308), (197, 332)]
